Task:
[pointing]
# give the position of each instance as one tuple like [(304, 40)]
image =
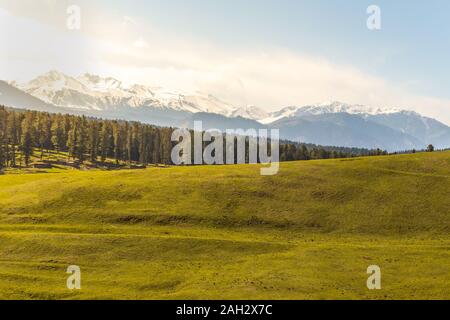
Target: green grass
[(225, 232)]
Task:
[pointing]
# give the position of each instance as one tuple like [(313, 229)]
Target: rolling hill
[(226, 232)]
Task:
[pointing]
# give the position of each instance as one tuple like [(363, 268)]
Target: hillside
[(226, 232)]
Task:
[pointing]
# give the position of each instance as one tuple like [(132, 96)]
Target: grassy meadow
[(225, 232)]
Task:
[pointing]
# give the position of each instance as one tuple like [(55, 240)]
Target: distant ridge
[(331, 123)]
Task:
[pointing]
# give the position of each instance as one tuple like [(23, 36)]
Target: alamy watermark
[(374, 280), (73, 21), (374, 19), (74, 280), (235, 146)]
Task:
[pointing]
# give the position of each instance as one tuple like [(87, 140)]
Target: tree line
[(24, 134), (293, 151)]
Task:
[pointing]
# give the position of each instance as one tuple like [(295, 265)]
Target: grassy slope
[(227, 232)]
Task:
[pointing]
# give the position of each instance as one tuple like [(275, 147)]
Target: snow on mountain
[(249, 112), (99, 84), (343, 124), (287, 112), (201, 102), (328, 108), (46, 87), (96, 93), (62, 90), (92, 92), (339, 107)]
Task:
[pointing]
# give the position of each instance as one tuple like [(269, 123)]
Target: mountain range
[(333, 124)]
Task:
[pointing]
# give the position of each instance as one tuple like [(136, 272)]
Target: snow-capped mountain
[(333, 123), (92, 92), (327, 108), (343, 124), (99, 84), (281, 114), (250, 112), (339, 107)]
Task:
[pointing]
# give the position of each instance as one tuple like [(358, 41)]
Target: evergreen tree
[(82, 140), (57, 134), (104, 141), (117, 135), (143, 145), (72, 140), (93, 144), (40, 130), (26, 140), (3, 138), (13, 136), (156, 147)]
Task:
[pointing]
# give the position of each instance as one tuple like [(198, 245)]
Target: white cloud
[(127, 20), (141, 43), (271, 79)]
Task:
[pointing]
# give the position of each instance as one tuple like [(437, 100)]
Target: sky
[(268, 53)]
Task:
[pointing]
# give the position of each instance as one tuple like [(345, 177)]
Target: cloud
[(127, 20), (141, 43)]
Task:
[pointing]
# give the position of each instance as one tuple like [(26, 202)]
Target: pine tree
[(13, 137), (105, 139), (3, 137), (143, 145), (156, 147), (26, 140), (93, 140), (41, 138), (57, 134), (82, 139), (135, 131), (72, 140), (128, 137), (67, 128), (117, 134)]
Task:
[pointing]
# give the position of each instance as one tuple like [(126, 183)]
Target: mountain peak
[(94, 92), (54, 74), (98, 83), (250, 112), (339, 107), (50, 76), (48, 85)]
